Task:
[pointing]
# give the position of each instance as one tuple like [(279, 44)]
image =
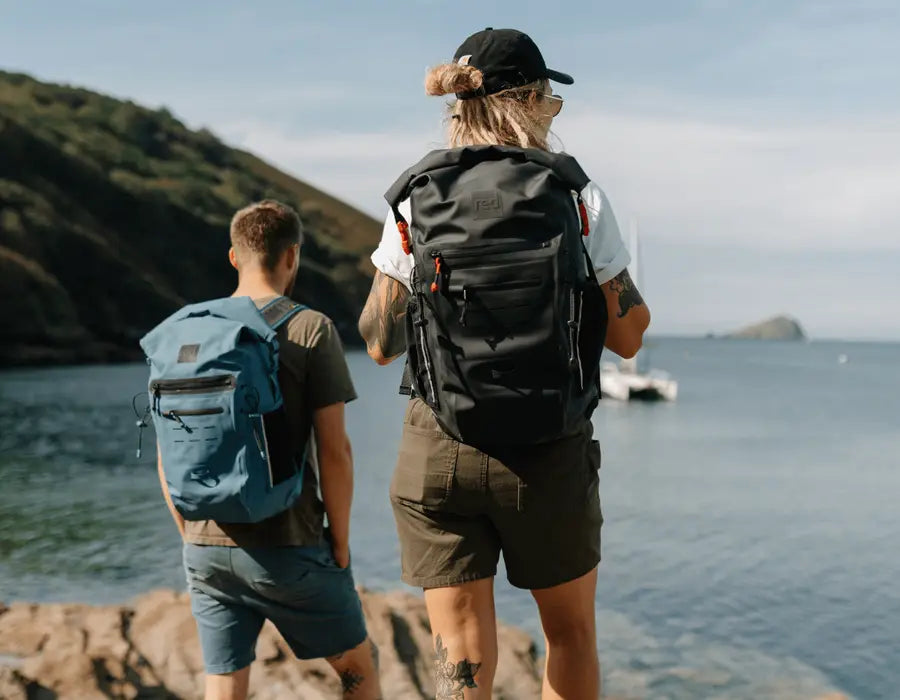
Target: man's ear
[(232, 258), (292, 257)]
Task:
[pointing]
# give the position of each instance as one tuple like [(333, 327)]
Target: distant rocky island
[(776, 328), (113, 215)]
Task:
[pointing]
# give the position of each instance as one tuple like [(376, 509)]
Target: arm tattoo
[(375, 654), (628, 294), (452, 679), (350, 681), (382, 323)]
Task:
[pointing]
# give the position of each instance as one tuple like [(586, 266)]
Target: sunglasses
[(556, 104)]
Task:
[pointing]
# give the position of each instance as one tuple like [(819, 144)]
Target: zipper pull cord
[(259, 443), (172, 415), (573, 325), (465, 306), (141, 424), (143, 420), (420, 323), (436, 285), (572, 362)]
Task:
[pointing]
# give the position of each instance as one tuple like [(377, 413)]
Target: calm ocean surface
[(751, 537)]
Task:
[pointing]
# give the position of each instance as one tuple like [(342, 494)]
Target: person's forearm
[(627, 313), (176, 516), (336, 476), (382, 323)]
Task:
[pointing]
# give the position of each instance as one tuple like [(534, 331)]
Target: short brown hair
[(265, 230)]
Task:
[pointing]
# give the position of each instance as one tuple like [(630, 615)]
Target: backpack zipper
[(200, 385), (176, 415), (184, 387), (574, 328), (194, 412), (481, 250), (527, 283), (578, 341), (426, 357)]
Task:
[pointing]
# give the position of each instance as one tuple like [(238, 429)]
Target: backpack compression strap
[(564, 166), (279, 311)]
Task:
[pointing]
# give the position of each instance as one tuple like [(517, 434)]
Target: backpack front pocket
[(195, 425)]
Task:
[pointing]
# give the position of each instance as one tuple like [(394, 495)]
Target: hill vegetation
[(113, 215)]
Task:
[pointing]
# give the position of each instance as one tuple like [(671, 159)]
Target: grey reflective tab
[(280, 311)]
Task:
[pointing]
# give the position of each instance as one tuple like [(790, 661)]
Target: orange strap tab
[(403, 228), (435, 286)]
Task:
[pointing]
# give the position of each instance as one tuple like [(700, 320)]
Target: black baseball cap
[(507, 58)]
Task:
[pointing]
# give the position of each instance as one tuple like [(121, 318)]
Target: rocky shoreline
[(149, 650)]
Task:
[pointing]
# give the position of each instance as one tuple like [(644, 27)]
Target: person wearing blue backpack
[(247, 399)]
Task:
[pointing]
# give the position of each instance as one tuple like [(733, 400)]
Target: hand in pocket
[(341, 556)]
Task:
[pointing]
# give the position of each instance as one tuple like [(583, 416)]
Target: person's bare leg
[(464, 629), (572, 670), (358, 671), (228, 686)]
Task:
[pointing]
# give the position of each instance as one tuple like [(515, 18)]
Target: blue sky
[(756, 142)]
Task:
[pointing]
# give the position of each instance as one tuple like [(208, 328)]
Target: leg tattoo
[(451, 679), (350, 681)]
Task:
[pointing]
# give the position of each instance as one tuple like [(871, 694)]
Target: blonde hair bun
[(452, 78)]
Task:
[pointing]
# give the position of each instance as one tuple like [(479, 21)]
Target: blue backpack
[(217, 410)]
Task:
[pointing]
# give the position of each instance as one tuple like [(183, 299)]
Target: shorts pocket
[(595, 458), (285, 578), (289, 579), (560, 478), (199, 564), (425, 467)]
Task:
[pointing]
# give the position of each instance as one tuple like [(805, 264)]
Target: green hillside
[(113, 215)]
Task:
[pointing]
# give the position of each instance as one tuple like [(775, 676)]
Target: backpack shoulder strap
[(279, 311)]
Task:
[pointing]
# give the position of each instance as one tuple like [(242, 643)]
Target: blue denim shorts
[(302, 590)]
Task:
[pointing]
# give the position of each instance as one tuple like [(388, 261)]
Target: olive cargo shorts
[(458, 508)]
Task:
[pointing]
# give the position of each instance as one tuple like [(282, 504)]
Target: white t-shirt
[(604, 242)]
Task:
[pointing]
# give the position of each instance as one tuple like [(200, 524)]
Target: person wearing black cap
[(457, 506)]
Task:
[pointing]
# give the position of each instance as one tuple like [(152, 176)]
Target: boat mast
[(634, 269)]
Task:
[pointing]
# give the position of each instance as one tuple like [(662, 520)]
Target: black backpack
[(506, 320)]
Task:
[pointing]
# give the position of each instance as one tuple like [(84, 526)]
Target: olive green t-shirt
[(313, 373)]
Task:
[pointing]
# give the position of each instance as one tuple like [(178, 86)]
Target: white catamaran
[(630, 380)]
